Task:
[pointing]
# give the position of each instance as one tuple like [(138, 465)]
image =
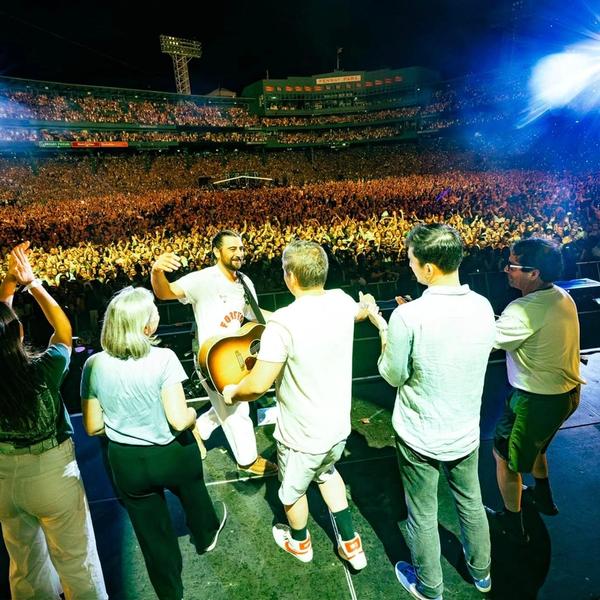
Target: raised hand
[(367, 303), (366, 300), (168, 262), (19, 265)]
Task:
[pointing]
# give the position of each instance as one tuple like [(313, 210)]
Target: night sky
[(117, 43)]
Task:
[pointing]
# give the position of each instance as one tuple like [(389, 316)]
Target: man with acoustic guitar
[(220, 306), (307, 348)]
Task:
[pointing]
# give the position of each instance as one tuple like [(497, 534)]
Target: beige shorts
[(297, 469)]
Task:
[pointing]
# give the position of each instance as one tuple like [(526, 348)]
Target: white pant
[(237, 426), (47, 527)]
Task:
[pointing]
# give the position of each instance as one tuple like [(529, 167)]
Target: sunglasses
[(513, 267)]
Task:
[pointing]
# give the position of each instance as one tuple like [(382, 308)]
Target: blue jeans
[(420, 475)]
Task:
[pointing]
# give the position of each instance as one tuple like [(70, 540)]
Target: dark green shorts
[(529, 423)]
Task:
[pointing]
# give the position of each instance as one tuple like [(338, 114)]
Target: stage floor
[(561, 561)]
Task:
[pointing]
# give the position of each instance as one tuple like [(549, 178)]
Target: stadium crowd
[(66, 176), (357, 117), (74, 108), (94, 242), (220, 123)]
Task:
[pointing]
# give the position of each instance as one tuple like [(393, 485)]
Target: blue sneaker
[(406, 575), (483, 585)]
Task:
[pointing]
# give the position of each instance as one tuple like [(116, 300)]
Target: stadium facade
[(341, 91), (330, 109)]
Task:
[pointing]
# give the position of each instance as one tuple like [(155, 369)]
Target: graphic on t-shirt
[(234, 315)]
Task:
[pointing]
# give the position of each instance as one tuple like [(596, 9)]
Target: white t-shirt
[(219, 304), (129, 392), (313, 336), (540, 333), (436, 355)]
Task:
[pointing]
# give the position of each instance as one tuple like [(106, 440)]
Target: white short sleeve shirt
[(129, 392), (313, 338), (219, 304)]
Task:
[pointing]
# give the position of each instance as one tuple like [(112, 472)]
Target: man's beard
[(234, 266)]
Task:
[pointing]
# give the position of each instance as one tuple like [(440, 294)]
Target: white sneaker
[(352, 551), (283, 538), (221, 511)]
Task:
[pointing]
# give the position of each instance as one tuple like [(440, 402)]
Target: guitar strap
[(250, 299)]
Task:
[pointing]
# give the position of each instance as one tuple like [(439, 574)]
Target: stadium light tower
[(181, 51)]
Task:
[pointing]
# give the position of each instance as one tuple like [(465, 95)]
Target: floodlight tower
[(181, 51)]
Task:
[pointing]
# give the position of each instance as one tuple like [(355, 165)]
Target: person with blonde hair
[(44, 512), (132, 392)]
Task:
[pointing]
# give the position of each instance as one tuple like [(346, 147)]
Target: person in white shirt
[(220, 307), (436, 354), (540, 333), (307, 349)]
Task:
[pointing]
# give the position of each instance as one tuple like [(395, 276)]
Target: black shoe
[(499, 522), (544, 506)]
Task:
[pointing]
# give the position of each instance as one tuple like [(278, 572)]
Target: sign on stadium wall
[(99, 144), (341, 79), (53, 144)]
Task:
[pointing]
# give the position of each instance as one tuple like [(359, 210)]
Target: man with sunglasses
[(540, 333)]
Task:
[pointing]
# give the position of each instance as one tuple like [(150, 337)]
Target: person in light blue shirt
[(436, 354), (132, 392)]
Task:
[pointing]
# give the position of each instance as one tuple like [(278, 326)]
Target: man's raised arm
[(164, 290)]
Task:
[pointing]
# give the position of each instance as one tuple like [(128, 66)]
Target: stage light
[(559, 78), (568, 79)]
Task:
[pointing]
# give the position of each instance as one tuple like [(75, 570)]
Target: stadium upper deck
[(343, 91), (330, 109)]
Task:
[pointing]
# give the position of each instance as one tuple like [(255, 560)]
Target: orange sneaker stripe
[(301, 550)]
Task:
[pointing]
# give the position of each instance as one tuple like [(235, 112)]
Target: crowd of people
[(295, 137), (127, 108), (358, 117), (66, 176), (96, 227), (490, 209), (435, 111), (434, 351)]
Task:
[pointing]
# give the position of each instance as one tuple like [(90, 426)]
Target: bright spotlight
[(569, 79), (559, 78)]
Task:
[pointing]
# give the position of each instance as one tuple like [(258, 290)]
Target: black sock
[(299, 534), (343, 520), (542, 486), (514, 519)]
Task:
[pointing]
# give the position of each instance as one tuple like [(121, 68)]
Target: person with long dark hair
[(132, 392), (44, 513)]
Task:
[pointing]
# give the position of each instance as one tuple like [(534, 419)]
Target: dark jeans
[(141, 474), (420, 475)]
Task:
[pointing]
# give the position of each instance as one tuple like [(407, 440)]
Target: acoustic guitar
[(226, 359)]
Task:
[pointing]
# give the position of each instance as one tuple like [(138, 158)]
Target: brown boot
[(260, 467)]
